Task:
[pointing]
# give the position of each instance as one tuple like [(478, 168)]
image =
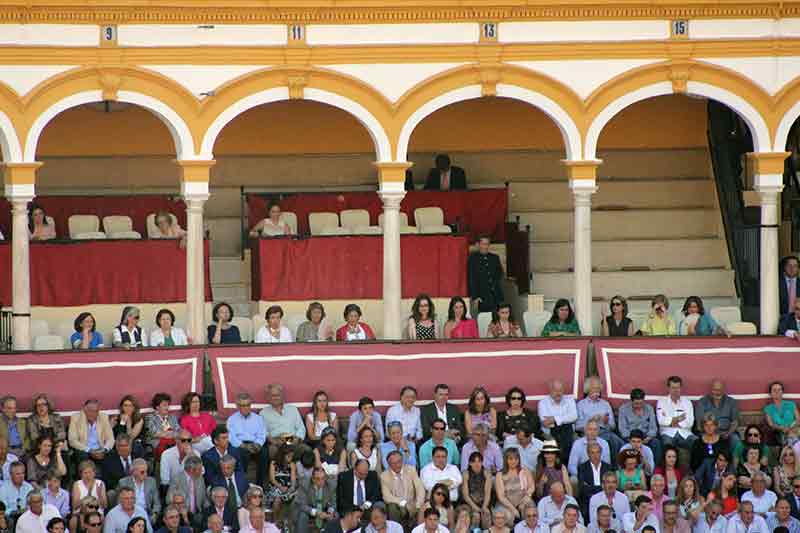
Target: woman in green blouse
[(782, 415), (563, 322)]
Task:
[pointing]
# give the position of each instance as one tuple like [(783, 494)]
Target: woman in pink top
[(458, 326), (199, 424)]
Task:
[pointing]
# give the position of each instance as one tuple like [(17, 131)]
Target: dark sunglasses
[(94, 524), (186, 440), (754, 434), (439, 493), (796, 486), (92, 506), (516, 398)]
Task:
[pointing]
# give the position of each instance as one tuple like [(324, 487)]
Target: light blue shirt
[(251, 428), (92, 443), (578, 454), (409, 458), (529, 456), (14, 439), (13, 497), (60, 501), (588, 408), (277, 424), (426, 452), (355, 420), (793, 526), (117, 520)]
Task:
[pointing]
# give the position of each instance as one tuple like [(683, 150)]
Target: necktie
[(792, 293), (127, 466), (231, 502), (359, 493), (445, 181), (191, 494), (398, 487)]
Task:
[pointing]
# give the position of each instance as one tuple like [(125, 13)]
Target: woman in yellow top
[(659, 323)]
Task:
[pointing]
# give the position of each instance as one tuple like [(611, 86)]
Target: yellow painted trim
[(582, 170), (20, 173), (195, 171), (392, 172), (761, 163)]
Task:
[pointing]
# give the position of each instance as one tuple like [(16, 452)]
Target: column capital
[(582, 170), (391, 199), (766, 162), (195, 176), (392, 176), (20, 181)]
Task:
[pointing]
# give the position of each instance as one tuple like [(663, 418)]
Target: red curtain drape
[(352, 267), (103, 272), (477, 212)]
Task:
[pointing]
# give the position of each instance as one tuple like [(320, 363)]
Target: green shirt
[(566, 327)]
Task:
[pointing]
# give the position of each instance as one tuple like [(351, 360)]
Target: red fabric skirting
[(477, 212), (351, 267), (104, 374), (135, 206), (103, 272), (383, 368)]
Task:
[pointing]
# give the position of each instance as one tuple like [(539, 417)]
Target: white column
[(195, 195), (392, 277), (769, 304), (21, 273), (582, 191)]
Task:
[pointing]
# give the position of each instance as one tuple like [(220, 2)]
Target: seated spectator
[(40, 226), (785, 472), (365, 416), (445, 177), (749, 468), (354, 329), (530, 523), (558, 414), (6, 459), (440, 501), (257, 523), (402, 489), (696, 321), (14, 428), (429, 525), (579, 452), (725, 492), (86, 517), (283, 421), (782, 415), (86, 337), (550, 470), (759, 495), (357, 487), (220, 507), (172, 522), (350, 520), (422, 324), (407, 414), (752, 437), (441, 409), (690, 501), (222, 331), (189, 484), (592, 406), (87, 484), (746, 521), (659, 323), (44, 421), (476, 490), (366, 447), (283, 483), (705, 451), (167, 229), (271, 226), (551, 508), (639, 415), (38, 515), (782, 517), (55, 495), (638, 520), (439, 438), (672, 521), (128, 334), (213, 456), (145, 488), (658, 494), (315, 328), (161, 425), (378, 522), (398, 443), (529, 447), (503, 324), (517, 416), (90, 433), (563, 322), (315, 500), (789, 324), (117, 464), (329, 456), (198, 423), (676, 416), (45, 459), (615, 501), (129, 421), (712, 520), (514, 486), (320, 418), (480, 411), (166, 333), (14, 490), (617, 324), (724, 408), (233, 479), (439, 471), (458, 325), (590, 477), (273, 331), (605, 522), (569, 523), (247, 433), (630, 475), (481, 442)]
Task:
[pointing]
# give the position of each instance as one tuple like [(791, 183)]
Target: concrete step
[(652, 253), (225, 236), (550, 226), (228, 270), (631, 193), (231, 292)]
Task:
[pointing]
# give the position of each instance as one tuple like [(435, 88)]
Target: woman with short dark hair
[(696, 321), (161, 425), (222, 331), (562, 323), (315, 328), (85, 336), (354, 329), (273, 331), (166, 333), (273, 225), (516, 417), (197, 422)]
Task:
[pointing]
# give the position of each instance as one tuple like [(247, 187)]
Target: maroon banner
[(477, 212), (73, 273), (330, 268), (135, 206), (378, 370), (71, 378), (745, 364)]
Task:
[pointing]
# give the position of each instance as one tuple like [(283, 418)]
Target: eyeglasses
[(754, 434), (94, 524), (185, 440), (244, 405), (516, 398), (796, 486), (92, 506)]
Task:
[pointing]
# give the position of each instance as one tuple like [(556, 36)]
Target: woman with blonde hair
[(253, 499), (659, 323)]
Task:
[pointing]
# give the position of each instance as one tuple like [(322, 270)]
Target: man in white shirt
[(605, 521), (746, 521), (642, 517), (558, 414), (439, 471), (616, 501), (711, 521), (570, 524), (551, 508), (258, 524), (431, 523), (530, 521), (172, 459), (763, 499), (675, 416), (35, 519)]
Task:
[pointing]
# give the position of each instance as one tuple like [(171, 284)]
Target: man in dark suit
[(484, 279), (220, 506), (438, 409), (315, 500), (590, 477), (233, 480), (445, 177), (358, 486), (212, 457), (794, 499), (117, 463), (788, 283), (790, 322)]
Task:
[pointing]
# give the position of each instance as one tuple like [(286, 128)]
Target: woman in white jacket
[(166, 334)]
